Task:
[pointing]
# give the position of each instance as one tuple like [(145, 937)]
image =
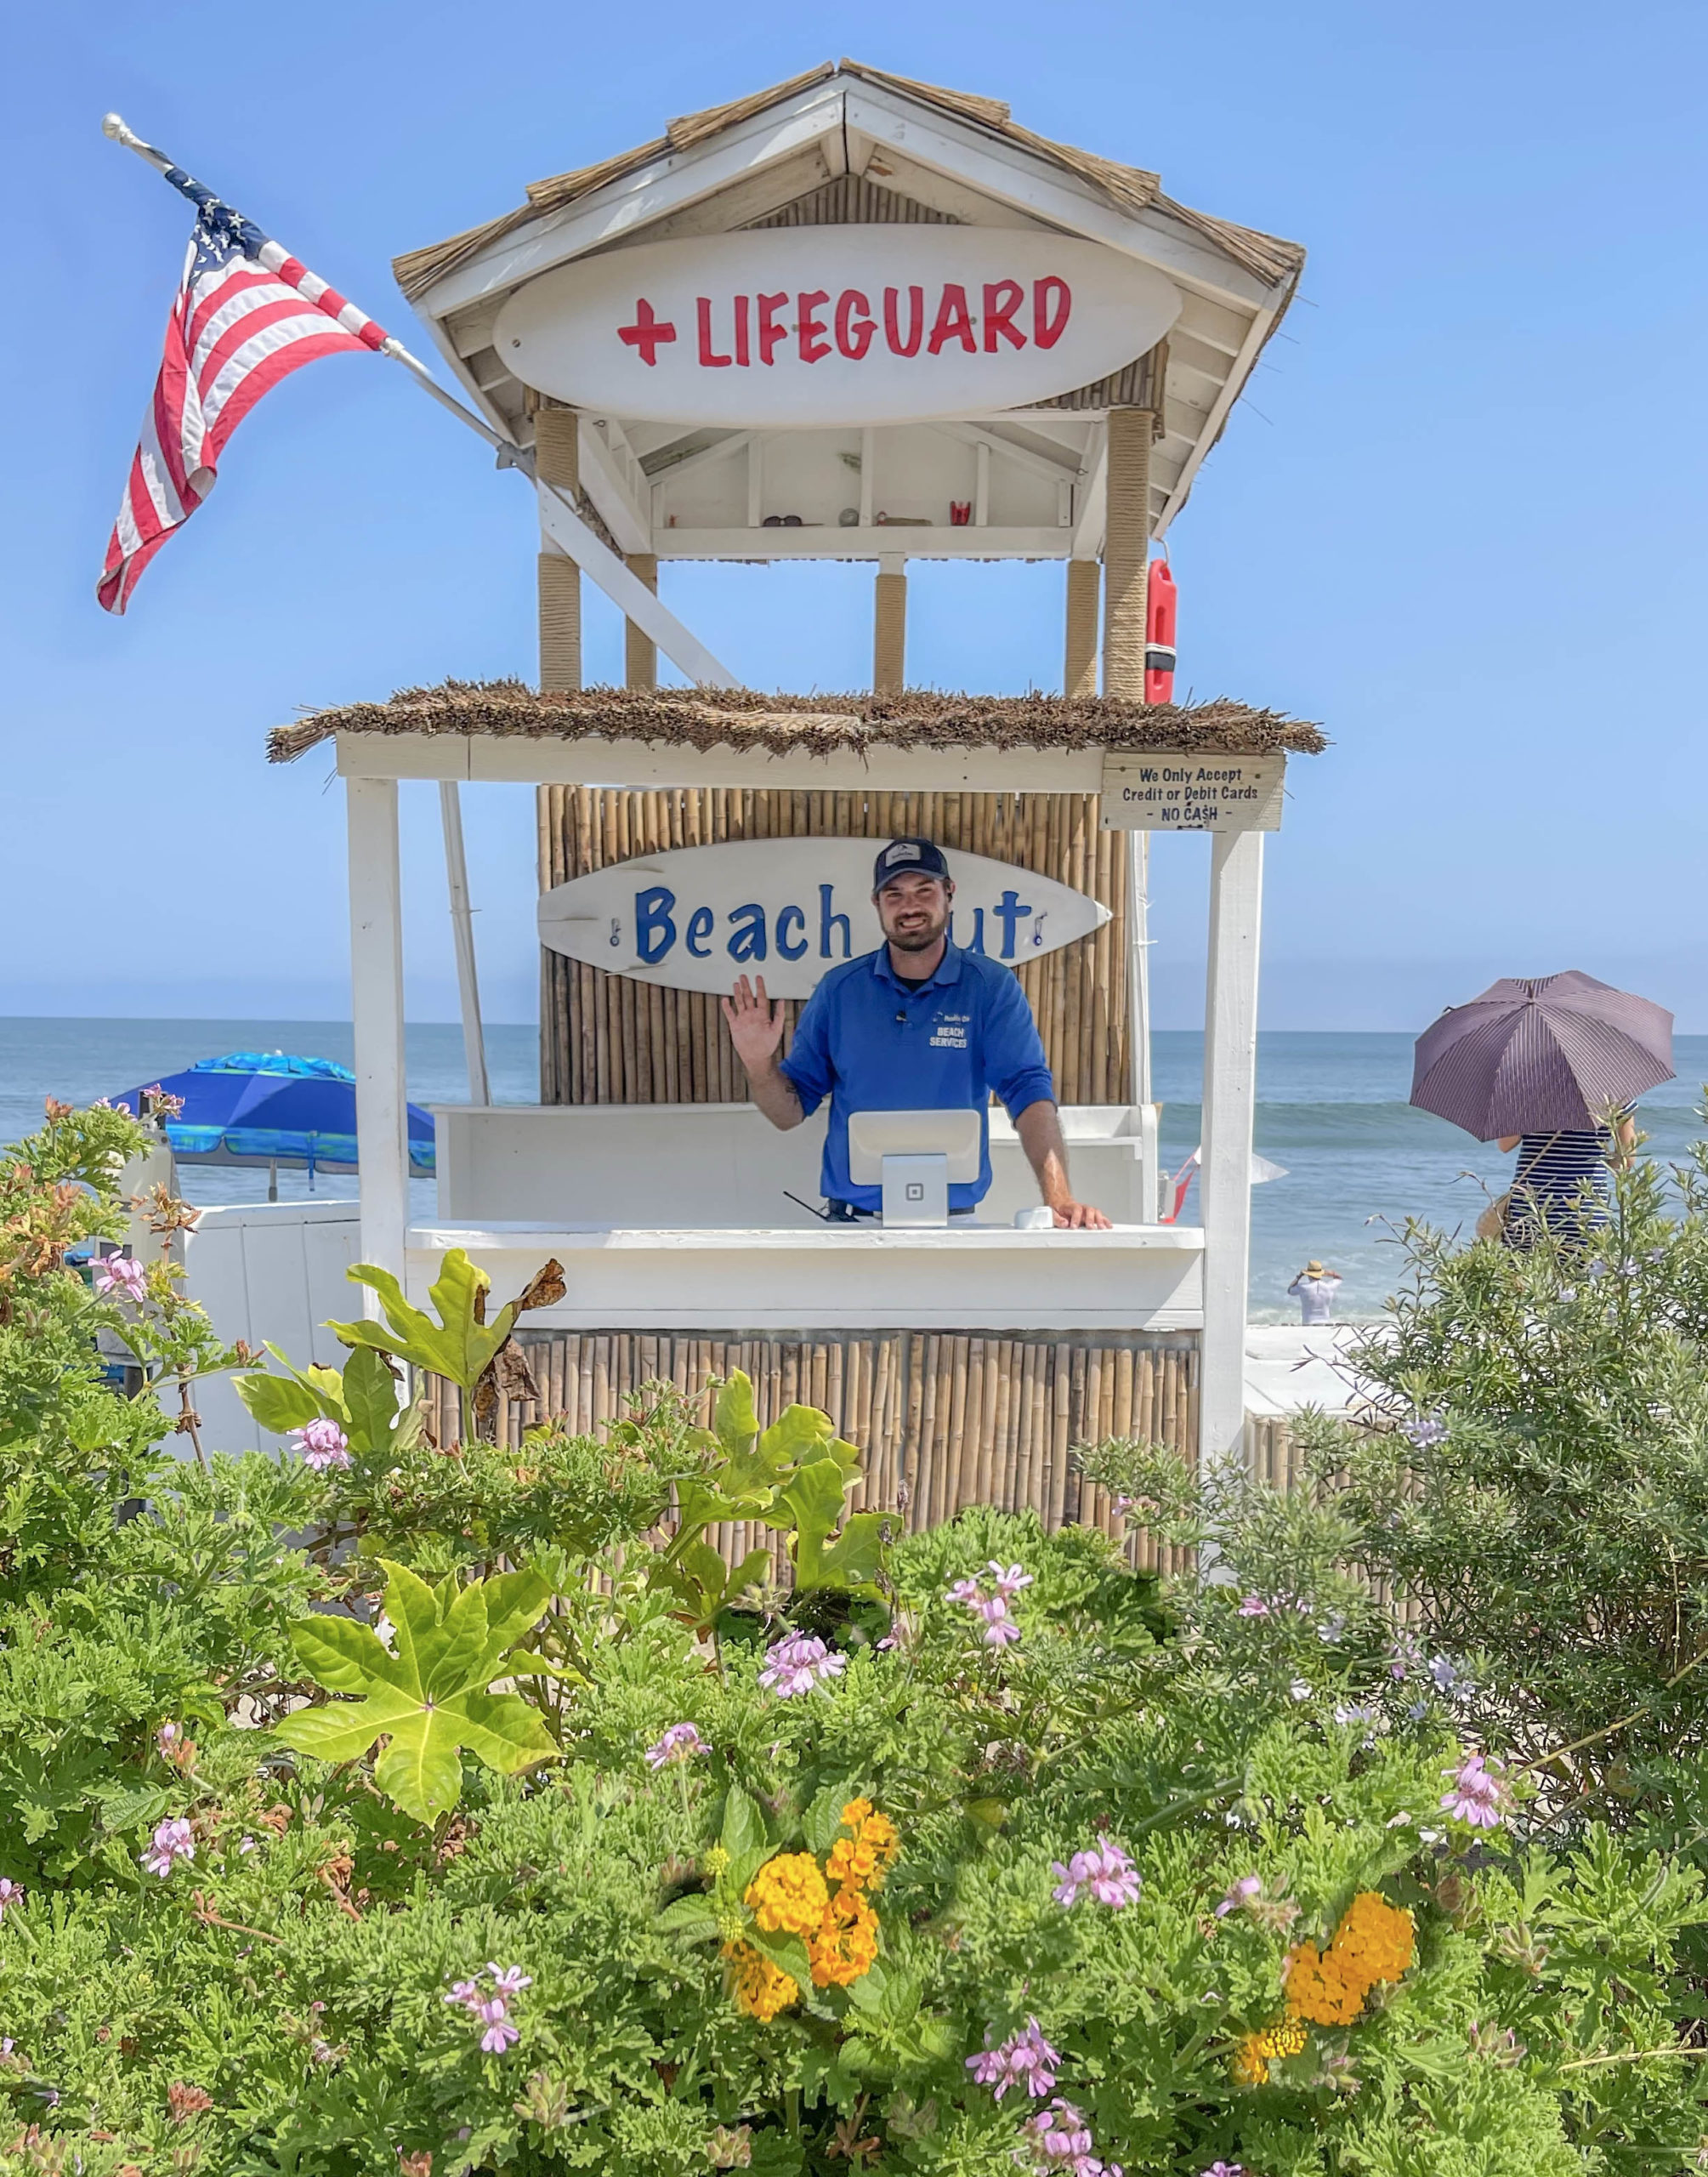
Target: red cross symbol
[(646, 332)]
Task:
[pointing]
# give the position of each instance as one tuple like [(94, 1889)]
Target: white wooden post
[(462, 933), (377, 1011), (1230, 1100)]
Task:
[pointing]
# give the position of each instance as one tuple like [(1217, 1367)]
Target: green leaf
[(456, 1345), (420, 1770), (734, 1419), (785, 1950), (503, 1731), (694, 1917), (344, 1655), (431, 1698), (279, 1403), (370, 1400), (814, 1500), (344, 1731), (823, 1819), (744, 1826)]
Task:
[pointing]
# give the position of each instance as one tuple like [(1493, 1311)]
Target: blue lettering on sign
[(1008, 913), (784, 917), (747, 932), (699, 929), (827, 923), (977, 942), (654, 933)]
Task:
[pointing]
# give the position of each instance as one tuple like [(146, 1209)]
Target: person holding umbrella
[(1549, 1065)]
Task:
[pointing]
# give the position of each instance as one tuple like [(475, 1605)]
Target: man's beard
[(917, 940)]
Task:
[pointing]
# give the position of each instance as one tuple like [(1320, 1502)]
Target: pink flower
[(1105, 1871), (11, 1893), (799, 1663), (322, 1444), (173, 1841), (1245, 1891), (1000, 1629), (681, 1742), (1061, 2138), (1475, 1794), (1024, 2059), (1252, 1606), (1226, 2170), (494, 2015), (120, 1273)]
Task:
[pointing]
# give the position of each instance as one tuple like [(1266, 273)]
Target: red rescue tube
[(1159, 601)]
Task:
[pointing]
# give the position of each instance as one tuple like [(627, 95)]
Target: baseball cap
[(909, 858)]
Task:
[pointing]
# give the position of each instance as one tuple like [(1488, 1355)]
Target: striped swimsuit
[(1563, 1182)]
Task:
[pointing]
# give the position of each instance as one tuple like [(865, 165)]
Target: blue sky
[(1459, 520)]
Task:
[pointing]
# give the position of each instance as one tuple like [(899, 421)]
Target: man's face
[(914, 911)]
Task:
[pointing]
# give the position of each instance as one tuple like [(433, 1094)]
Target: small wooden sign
[(1178, 790)]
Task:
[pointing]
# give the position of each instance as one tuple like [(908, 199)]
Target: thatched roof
[(742, 719), (1129, 189)]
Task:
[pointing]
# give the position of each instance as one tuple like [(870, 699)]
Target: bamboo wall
[(942, 1420), (609, 1039)]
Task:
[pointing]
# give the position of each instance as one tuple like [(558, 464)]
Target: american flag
[(246, 314)]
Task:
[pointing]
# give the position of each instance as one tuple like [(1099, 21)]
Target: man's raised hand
[(756, 1025)]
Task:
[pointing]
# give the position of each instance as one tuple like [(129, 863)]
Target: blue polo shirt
[(872, 1043)]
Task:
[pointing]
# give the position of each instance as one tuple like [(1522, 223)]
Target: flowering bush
[(1160, 1886)]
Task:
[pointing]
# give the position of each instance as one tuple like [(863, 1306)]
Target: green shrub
[(758, 1872)]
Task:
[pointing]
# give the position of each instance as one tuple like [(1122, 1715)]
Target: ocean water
[(1332, 1111)]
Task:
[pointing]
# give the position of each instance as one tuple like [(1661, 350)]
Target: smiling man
[(919, 1025)]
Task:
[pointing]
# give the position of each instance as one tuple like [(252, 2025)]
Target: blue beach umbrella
[(269, 1108)]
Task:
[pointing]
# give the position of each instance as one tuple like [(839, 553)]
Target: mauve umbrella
[(1540, 1052)]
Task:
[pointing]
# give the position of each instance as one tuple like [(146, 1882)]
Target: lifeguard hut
[(849, 317)]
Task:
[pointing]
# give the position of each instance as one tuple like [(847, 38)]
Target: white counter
[(694, 1164), (966, 1277)]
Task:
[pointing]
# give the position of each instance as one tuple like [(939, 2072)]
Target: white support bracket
[(565, 528)]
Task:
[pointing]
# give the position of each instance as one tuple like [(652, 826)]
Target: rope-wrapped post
[(890, 629), (1080, 669), (640, 652), (1126, 552), (557, 451)]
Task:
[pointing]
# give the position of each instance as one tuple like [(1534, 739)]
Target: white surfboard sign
[(812, 326), (696, 917)]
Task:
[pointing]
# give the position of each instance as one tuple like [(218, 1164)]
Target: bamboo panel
[(943, 1421), (607, 1039)]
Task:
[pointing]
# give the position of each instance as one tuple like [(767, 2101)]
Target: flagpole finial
[(113, 125)]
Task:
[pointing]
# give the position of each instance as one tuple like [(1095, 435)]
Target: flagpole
[(560, 515)]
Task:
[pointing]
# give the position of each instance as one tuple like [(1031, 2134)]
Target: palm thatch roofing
[(742, 719), (1128, 189)]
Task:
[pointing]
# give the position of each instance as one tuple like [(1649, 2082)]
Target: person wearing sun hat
[(1315, 1288)]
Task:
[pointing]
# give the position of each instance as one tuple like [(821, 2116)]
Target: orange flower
[(1373, 1942), (845, 1946)]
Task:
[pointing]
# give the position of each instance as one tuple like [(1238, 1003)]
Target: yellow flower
[(855, 1812), (1319, 1989), (1373, 1942), (1253, 2056), (1374, 1939), (845, 1945), (788, 1894), (761, 1988)]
